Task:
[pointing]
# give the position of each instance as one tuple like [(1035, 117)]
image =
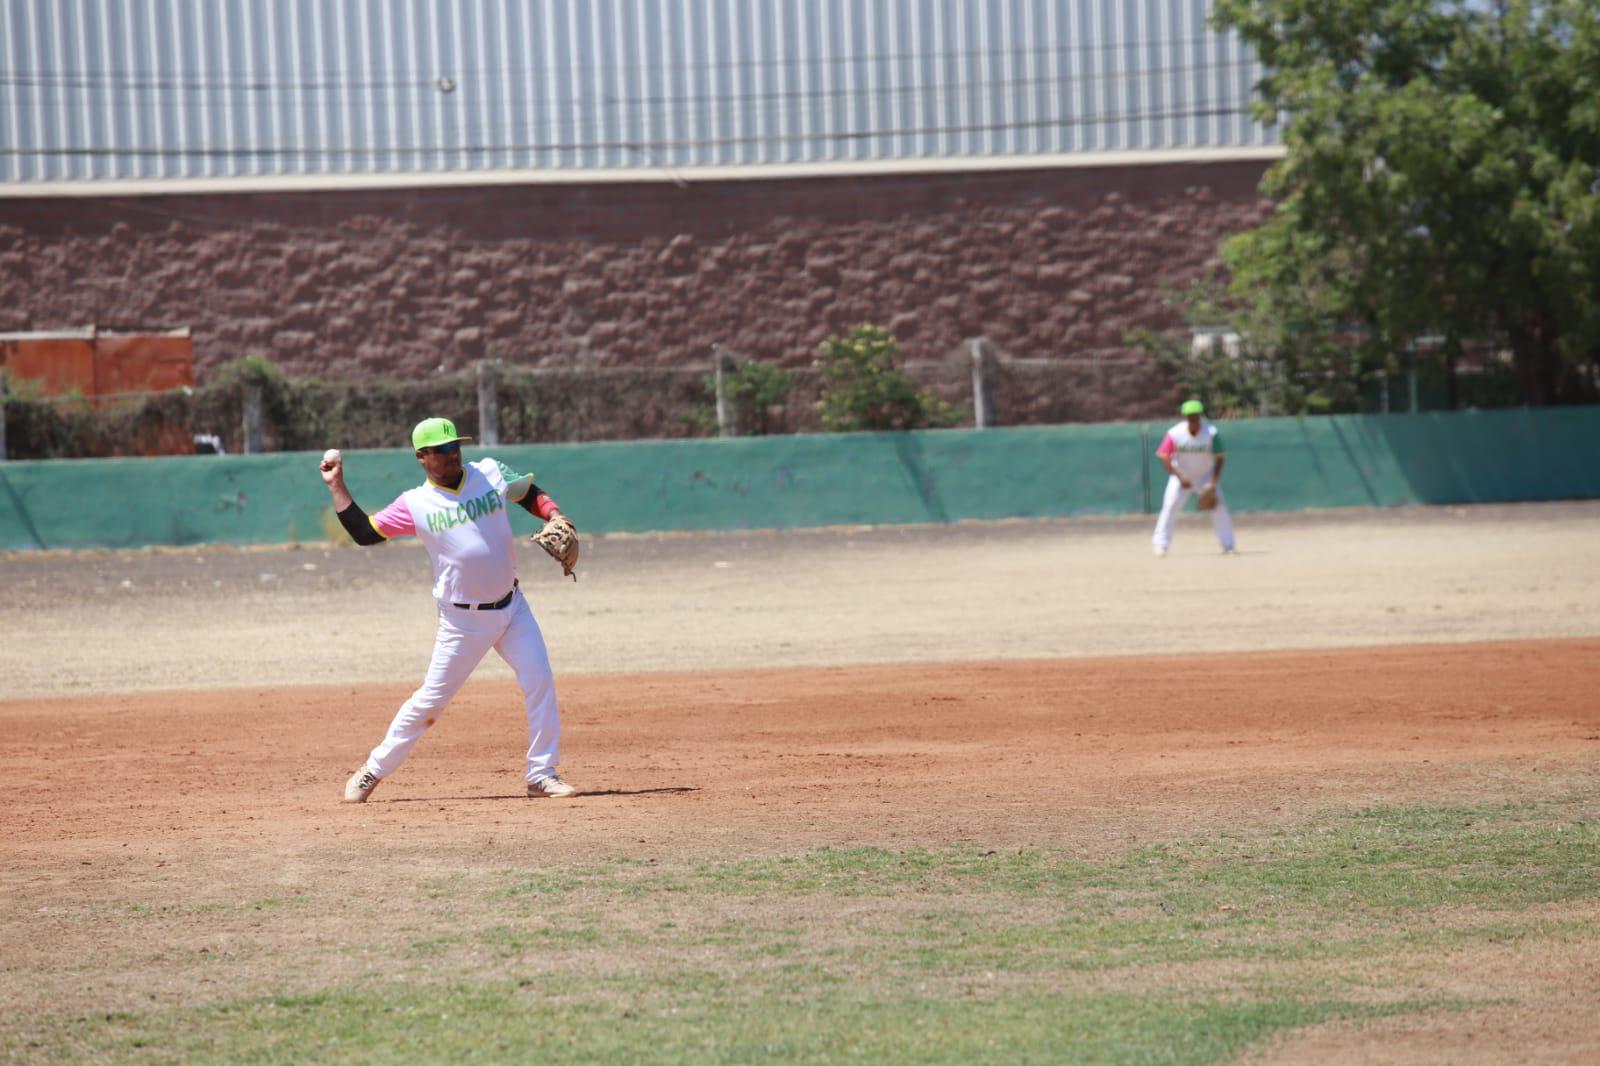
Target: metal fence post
[(252, 419), (980, 391), (1144, 464), (488, 413), (722, 364)]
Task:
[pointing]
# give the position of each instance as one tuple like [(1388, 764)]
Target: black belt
[(495, 606)]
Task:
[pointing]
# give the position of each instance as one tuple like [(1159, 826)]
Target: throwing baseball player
[(1192, 453), (459, 514)]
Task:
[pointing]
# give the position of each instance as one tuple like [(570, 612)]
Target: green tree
[(1442, 176), (864, 389)]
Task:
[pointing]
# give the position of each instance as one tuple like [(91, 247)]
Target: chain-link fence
[(250, 407)]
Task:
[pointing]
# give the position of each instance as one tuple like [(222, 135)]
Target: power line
[(332, 81), (785, 107), (612, 101), (619, 145), (703, 102)]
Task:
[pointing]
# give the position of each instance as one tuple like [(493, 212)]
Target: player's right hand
[(332, 470)]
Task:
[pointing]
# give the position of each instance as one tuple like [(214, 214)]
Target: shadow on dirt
[(582, 794)]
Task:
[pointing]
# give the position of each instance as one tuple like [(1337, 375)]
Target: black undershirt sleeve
[(527, 501), (359, 526)]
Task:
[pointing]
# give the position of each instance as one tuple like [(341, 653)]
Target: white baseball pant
[(1172, 503), (463, 639)]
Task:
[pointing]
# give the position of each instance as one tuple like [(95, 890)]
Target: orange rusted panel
[(99, 364), (59, 363), (106, 368), (142, 363)]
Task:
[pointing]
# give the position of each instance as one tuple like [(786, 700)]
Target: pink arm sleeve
[(1167, 447), (395, 520), (545, 507)]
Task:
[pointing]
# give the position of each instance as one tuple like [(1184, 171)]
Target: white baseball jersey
[(1192, 453), (467, 531)]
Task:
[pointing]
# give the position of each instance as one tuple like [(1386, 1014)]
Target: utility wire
[(857, 94), (617, 145), (335, 81), (816, 106)]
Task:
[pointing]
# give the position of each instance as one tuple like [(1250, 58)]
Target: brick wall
[(1050, 264)]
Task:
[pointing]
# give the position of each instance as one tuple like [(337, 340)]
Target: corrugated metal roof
[(128, 90)]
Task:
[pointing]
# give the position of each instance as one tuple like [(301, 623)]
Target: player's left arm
[(1219, 458), (525, 493)]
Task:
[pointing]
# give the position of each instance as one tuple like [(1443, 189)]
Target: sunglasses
[(445, 449)]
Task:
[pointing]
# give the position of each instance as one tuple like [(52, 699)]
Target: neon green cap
[(1192, 407), (432, 432)]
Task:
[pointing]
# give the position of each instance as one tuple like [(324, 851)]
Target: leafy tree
[(863, 389), (1442, 176)]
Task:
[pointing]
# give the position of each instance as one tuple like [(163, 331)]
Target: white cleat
[(1160, 552), (360, 786), (551, 787)]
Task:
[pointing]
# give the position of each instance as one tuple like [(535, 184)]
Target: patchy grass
[(267, 903), (1178, 953), (539, 1018)]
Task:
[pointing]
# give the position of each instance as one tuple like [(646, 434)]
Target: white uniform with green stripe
[(468, 534), (1194, 456)]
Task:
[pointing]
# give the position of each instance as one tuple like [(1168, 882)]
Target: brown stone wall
[(1048, 264)]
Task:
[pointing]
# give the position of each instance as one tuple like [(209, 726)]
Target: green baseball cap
[(432, 432), (1190, 407)]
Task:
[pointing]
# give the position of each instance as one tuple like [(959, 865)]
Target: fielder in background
[(459, 514), (1192, 453)]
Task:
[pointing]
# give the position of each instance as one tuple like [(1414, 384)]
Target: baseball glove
[(1207, 499), (559, 537)]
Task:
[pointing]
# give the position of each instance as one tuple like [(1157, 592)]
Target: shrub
[(756, 392), (863, 388)]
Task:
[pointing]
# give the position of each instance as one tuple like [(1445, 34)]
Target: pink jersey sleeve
[(1168, 446), (395, 520)]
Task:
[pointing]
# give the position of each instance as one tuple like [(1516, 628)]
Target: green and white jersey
[(466, 530), (1191, 453)]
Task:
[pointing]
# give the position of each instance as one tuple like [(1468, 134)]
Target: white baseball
[(331, 456)]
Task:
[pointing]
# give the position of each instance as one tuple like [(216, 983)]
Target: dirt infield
[(1081, 754), (922, 687), (210, 618)]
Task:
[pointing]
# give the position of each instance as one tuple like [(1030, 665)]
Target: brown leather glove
[(559, 537)]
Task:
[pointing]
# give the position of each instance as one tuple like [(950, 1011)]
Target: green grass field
[(1196, 951)]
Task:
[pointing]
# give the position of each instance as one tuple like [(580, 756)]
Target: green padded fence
[(866, 478)]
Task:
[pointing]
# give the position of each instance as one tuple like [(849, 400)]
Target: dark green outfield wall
[(786, 482)]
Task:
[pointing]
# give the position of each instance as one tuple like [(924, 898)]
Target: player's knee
[(429, 703)]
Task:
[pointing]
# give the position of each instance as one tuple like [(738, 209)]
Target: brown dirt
[(219, 795), (1080, 754)]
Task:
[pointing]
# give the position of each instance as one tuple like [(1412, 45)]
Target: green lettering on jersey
[(468, 511)]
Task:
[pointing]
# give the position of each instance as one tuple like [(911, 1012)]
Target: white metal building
[(252, 93)]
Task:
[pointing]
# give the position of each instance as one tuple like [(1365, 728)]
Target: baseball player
[(459, 514), (1192, 453)]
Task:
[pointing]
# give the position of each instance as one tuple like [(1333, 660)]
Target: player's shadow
[(582, 794)]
